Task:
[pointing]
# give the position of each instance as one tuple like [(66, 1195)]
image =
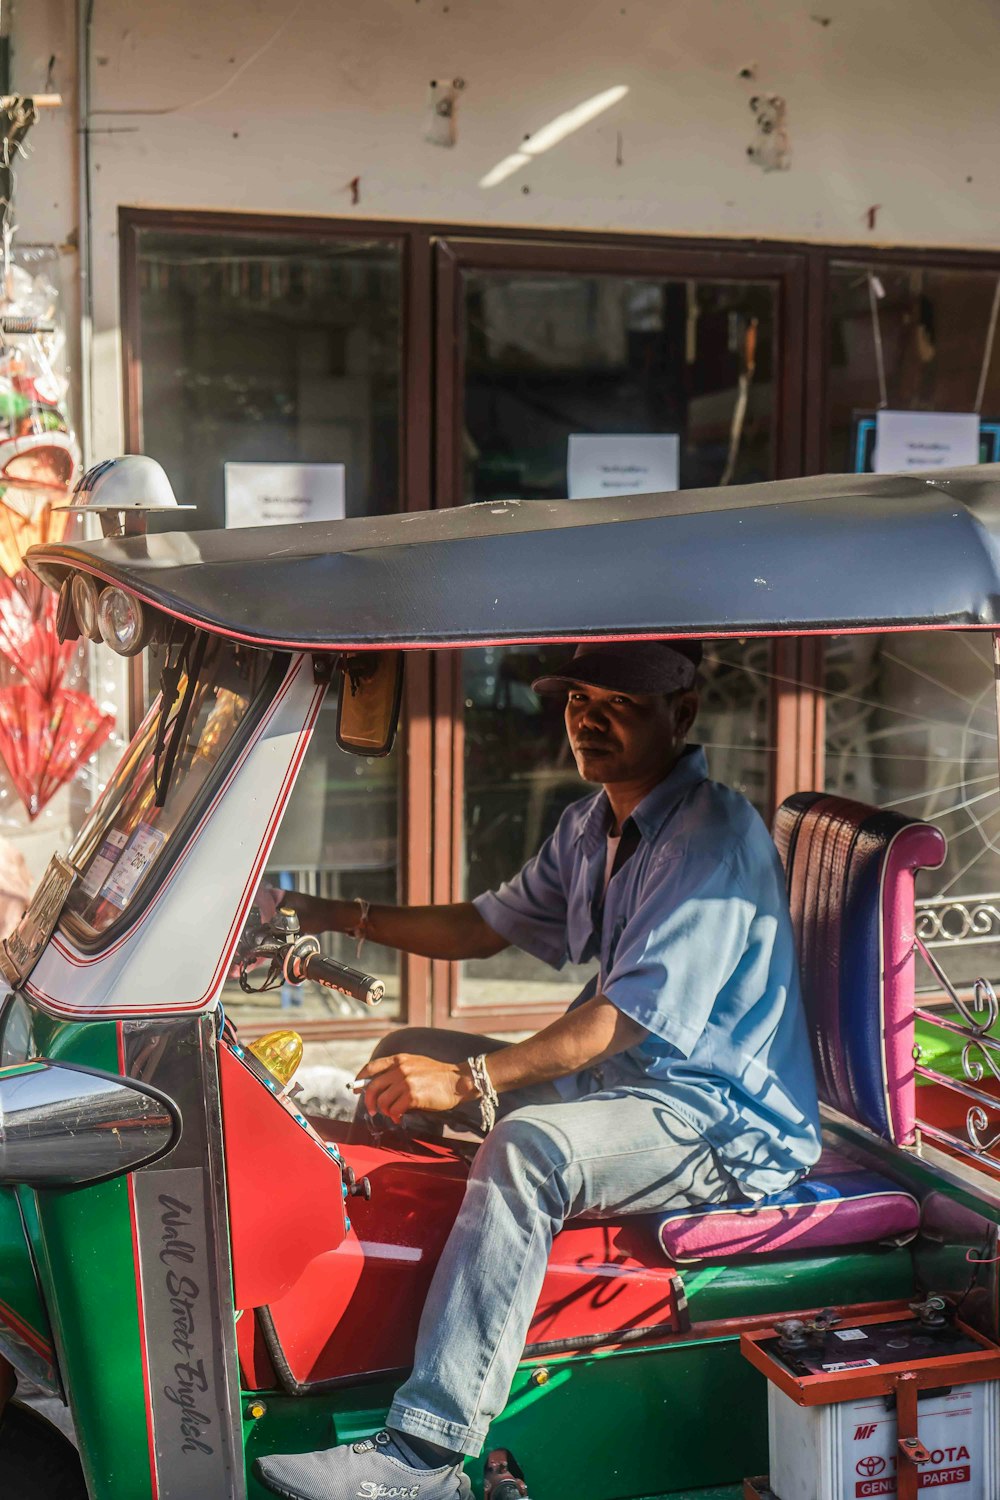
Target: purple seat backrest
[(850, 870)]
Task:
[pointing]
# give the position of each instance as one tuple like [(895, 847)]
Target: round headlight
[(123, 622), (85, 605)]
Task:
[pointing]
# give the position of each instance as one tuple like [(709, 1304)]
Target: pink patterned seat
[(850, 871)]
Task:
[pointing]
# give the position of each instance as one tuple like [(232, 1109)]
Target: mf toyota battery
[(891, 1404)]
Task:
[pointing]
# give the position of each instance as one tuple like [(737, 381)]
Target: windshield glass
[(128, 838)]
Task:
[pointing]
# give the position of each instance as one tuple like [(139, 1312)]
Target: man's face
[(627, 737)]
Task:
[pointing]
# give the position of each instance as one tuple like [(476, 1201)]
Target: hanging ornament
[(19, 531), (28, 636), (48, 731), (45, 741)]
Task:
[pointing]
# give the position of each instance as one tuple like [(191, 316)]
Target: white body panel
[(176, 956), (847, 1451)]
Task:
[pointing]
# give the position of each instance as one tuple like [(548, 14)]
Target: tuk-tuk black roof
[(830, 553)]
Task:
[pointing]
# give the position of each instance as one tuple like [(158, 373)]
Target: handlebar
[(338, 976), (295, 956)]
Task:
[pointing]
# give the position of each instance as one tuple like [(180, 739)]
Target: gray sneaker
[(377, 1468)]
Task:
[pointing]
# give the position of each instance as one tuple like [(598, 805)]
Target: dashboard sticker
[(132, 864)]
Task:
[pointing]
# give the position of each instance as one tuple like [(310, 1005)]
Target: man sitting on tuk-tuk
[(681, 1075)]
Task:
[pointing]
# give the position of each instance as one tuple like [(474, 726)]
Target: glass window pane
[(927, 328), (547, 356), (261, 348), (338, 839), (911, 725)]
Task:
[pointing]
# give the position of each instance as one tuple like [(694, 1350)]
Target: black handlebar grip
[(348, 981)]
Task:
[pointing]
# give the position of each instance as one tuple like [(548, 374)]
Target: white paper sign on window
[(622, 464), (274, 494), (912, 440)]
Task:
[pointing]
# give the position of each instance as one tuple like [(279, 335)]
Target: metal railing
[(949, 922), (980, 1057)]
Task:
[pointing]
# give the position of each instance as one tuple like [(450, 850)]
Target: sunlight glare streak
[(504, 169), (551, 134)]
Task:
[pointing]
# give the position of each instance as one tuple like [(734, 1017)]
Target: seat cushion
[(837, 1203)]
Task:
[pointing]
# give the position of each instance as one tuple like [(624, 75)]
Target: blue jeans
[(548, 1159)]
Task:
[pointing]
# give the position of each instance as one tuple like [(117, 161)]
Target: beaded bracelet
[(489, 1099)]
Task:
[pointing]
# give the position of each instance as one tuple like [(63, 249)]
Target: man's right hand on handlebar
[(448, 931)]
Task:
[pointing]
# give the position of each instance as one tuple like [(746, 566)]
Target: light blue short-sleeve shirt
[(694, 941)]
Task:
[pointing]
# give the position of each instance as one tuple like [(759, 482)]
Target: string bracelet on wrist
[(360, 929), (489, 1099)]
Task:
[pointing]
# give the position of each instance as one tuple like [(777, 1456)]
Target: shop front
[(389, 367)]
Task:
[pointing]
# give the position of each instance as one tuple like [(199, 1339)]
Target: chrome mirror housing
[(65, 1126)]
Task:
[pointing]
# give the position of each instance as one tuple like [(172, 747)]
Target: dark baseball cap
[(628, 667)]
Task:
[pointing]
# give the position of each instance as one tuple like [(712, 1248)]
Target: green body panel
[(639, 1422), (602, 1427), (85, 1260), (23, 1318), (767, 1284)]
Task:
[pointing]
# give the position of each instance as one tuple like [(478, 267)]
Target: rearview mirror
[(368, 711)]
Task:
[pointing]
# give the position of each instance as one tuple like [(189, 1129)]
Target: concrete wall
[(241, 104)]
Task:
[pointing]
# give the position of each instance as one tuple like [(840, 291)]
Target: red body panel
[(355, 1309), (286, 1204)]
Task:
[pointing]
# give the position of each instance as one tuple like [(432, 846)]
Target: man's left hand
[(402, 1082)]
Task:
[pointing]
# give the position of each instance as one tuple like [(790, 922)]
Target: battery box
[(894, 1405)]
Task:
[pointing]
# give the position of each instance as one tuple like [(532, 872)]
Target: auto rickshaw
[(205, 1273)]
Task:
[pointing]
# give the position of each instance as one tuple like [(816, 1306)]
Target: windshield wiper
[(170, 732)]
